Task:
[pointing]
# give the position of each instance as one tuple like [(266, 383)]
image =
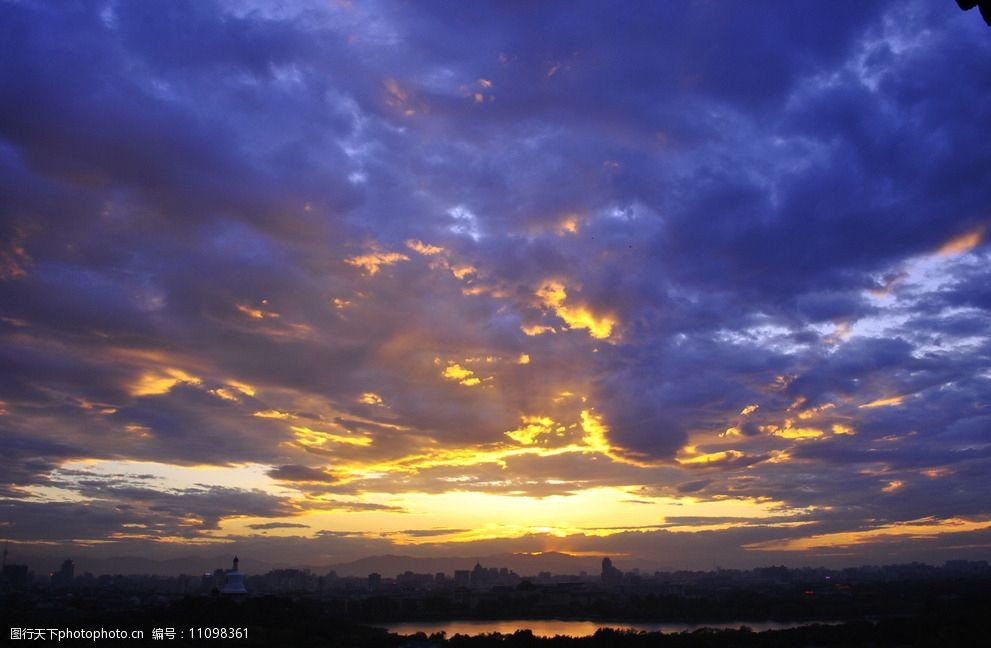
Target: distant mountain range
[(522, 564)]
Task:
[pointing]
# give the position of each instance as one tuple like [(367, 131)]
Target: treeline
[(787, 603), (891, 614), (923, 631)]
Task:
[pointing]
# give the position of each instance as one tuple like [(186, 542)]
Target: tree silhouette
[(984, 6)]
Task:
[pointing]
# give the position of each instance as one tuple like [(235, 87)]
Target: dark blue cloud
[(754, 194)]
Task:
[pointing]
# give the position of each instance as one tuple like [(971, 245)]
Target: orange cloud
[(373, 261), (370, 398), (924, 527), (310, 437), (884, 402), (569, 225), (401, 99), (425, 249), (812, 412), (963, 243), (463, 376), (255, 313), (533, 427), (711, 458), (537, 329), (799, 433), (553, 296), (893, 486), (160, 382), (463, 271), (274, 414)]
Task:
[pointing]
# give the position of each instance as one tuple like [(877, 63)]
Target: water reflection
[(571, 628)]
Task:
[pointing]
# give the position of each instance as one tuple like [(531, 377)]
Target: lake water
[(571, 628)]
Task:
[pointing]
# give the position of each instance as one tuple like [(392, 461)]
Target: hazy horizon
[(683, 284), (389, 565)]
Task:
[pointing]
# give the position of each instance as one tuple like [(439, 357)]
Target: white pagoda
[(234, 582)]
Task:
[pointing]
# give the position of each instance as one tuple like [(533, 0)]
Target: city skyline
[(676, 284)]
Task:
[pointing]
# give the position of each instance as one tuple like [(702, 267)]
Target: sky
[(680, 283)]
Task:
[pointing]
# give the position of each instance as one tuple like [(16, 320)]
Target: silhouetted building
[(478, 575), (374, 582), (283, 580), (462, 578), (409, 580), (610, 575), (234, 582), (213, 581), (966, 566), (14, 577), (65, 573)]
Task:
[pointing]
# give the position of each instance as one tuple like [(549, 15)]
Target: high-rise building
[(610, 575), (13, 576), (65, 573)]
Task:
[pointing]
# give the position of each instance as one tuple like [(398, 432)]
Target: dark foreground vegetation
[(907, 613)]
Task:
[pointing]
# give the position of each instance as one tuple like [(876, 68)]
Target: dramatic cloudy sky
[(676, 282)]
